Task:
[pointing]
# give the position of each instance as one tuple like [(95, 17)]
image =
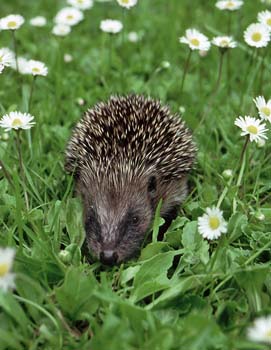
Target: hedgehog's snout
[(109, 257)]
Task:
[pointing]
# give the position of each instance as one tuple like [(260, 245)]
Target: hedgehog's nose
[(108, 257)]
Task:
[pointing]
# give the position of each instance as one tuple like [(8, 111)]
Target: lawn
[(185, 292)]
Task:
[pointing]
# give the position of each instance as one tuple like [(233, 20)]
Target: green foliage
[(183, 292)]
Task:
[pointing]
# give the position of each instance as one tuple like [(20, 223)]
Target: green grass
[(184, 292)]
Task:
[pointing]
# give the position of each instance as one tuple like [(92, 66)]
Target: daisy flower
[(133, 37), (23, 65), (6, 262), (264, 17), (195, 40), (229, 4), (264, 108), (252, 127), (224, 42), (212, 224), (260, 331), (11, 22), (37, 68), (38, 21), (257, 35), (61, 30), (127, 3), (111, 26), (81, 4), (17, 120), (67, 58), (6, 57), (69, 16), (1, 68)]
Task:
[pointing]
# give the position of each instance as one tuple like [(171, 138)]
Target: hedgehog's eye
[(152, 184), (135, 220)]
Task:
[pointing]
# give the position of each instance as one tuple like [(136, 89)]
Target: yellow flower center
[(3, 269), (35, 70), (252, 129), (80, 1), (1, 58), (125, 1), (195, 42), (230, 4), (69, 16), (268, 22), (16, 122), (268, 333), (12, 24), (224, 43), (256, 36), (266, 110), (214, 222)]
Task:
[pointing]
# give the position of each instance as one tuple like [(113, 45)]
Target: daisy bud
[(165, 64), (68, 58), (203, 53), (261, 143), (80, 101), (5, 136), (182, 109), (227, 174), (65, 256), (259, 215)]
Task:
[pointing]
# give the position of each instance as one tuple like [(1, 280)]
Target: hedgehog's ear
[(152, 185)]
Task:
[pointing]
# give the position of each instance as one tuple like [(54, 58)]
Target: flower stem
[(18, 144), (250, 64), (186, 66), (31, 92), (262, 71), (225, 191), (15, 49), (6, 173), (215, 90), (123, 32), (241, 173)]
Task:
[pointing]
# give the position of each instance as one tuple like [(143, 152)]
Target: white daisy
[(37, 68), (127, 3), (195, 40), (81, 4), (17, 120), (61, 30), (6, 262), (23, 65), (257, 35), (69, 16), (1, 68), (252, 127), (224, 42), (6, 57), (260, 331), (67, 58), (11, 22), (229, 4), (133, 37), (264, 17), (38, 21), (111, 26), (212, 224), (264, 108)]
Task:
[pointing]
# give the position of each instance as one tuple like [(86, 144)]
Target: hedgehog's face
[(116, 221)]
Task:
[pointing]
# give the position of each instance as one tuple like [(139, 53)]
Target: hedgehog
[(125, 155)]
